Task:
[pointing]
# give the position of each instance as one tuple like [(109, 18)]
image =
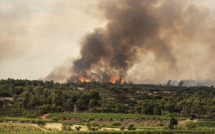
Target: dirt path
[(44, 117), (182, 122)]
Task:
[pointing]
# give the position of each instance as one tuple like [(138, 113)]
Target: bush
[(116, 124), (93, 126), (122, 127), (66, 127), (190, 125), (173, 122), (131, 127), (78, 128), (33, 121), (39, 122)]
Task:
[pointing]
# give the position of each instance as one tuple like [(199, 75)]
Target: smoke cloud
[(148, 39)]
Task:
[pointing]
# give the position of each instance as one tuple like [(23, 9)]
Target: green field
[(22, 119), (109, 116)]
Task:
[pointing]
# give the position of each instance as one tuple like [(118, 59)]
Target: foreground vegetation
[(129, 108), (35, 98)]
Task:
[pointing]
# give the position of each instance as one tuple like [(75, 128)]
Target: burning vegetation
[(114, 80), (146, 39)]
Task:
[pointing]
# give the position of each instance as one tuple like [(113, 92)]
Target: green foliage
[(116, 123), (122, 127), (206, 124), (108, 115), (131, 127), (39, 122), (66, 127), (173, 122), (78, 128), (93, 126), (190, 125), (34, 98)]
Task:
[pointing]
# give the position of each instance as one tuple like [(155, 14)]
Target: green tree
[(173, 122), (156, 111)]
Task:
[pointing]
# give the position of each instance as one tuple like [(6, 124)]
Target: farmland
[(109, 116)]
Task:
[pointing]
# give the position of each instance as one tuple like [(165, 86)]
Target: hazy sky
[(38, 35)]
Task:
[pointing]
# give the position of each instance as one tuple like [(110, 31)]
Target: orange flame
[(115, 79), (122, 80), (82, 79)]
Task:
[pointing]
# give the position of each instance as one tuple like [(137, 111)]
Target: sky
[(42, 34), (37, 36)]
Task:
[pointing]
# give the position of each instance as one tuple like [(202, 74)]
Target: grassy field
[(206, 124), (109, 116), (22, 119)]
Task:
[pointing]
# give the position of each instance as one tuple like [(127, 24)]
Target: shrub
[(66, 127), (173, 122), (190, 125), (78, 128), (122, 127), (131, 127), (93, 126), (33, 121), (39, 122), (116, 124)]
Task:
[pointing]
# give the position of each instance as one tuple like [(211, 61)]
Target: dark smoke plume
[(132, 24), (154, 39)]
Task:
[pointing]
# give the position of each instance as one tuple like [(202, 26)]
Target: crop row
[(109, 116), (22, 119)]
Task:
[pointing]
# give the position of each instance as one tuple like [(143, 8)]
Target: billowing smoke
[(148, 39)]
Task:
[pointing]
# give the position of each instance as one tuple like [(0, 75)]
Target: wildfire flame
[(82, 79), (122, 80), (116, 80)]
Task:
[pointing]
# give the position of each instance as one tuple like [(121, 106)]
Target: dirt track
[(44, 117)]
